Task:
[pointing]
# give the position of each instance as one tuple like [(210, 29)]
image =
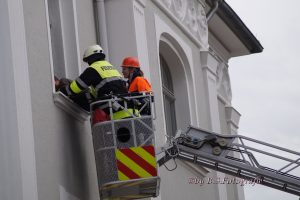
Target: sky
[(266, 86)]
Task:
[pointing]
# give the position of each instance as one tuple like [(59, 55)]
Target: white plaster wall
[(187, 100), (17, 168), (127, 34), (141, 38), (68, 9), (223, 120), (171, 180), (86, 27), (175, 184), (120, 30), (64, 151), (60, 145)]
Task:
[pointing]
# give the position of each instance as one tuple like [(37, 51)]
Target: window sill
[(71, 108)]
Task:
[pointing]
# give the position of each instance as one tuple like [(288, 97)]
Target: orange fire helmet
[(131, 62)]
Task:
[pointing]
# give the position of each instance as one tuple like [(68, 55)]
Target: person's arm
[(81, 83), (143, 85)]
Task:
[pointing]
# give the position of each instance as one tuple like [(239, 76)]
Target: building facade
[(184, 48)]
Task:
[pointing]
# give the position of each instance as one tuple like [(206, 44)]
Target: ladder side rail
[(224, 167), (241, 137), (209, 163), (243, 155), (239, 165), (223, 162), (267, 144), (291, 168), (246, 174), (245, 150), (267, 153), (251, 157), (290, 164)]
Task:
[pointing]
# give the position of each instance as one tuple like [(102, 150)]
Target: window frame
[(168, 97), (60, 100)]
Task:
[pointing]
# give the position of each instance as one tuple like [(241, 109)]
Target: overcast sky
[(266, 86)]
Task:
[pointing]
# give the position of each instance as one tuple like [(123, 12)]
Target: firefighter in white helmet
[(102, 76)]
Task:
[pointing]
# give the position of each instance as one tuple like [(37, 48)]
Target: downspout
[(101, 30), (213, 10)]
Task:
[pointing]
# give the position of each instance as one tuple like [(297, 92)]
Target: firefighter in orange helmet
[(132, 71)]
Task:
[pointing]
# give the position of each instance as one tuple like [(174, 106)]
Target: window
[(64, 50), (168, 98), (64, 38)]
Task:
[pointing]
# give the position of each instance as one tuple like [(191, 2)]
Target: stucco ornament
[(167, 3), (203, 27), (191, 14), (191, 18), (180, 8), (223, 82)]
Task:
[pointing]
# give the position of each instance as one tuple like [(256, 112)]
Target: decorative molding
[(232, 117), (70, 107), (202, 2), (142, 3), (209, 61), (214, 54), (222, 77), (223, 82), (223, 100), (191, 15), (217, 47), (140, 12)]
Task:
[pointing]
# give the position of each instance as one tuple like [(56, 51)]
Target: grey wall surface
[(62, 146), (64, 152), (86, 24), (10, 170), (121, 30)]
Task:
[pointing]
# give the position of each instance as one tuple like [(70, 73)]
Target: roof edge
[(234, 22)]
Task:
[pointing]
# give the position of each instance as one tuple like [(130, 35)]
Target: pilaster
[(232, 118), (18, 172), (209, 66)]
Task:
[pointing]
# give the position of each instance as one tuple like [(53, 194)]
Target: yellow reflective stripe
[(107, 80), (81, 83), (145, 155), (105, 69), (75, 88), (132, 165), (122, 177), (123, 114)]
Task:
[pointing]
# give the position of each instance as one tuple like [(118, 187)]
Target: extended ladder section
[(239, 156)]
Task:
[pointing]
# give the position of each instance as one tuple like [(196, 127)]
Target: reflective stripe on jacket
[(88, 78), (105, 69), (125, 114)]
